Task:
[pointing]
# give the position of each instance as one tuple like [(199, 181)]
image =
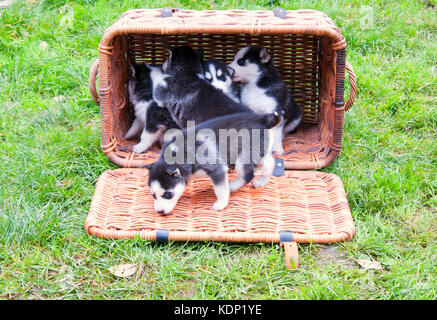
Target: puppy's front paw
[(219, 205), (139, 148), (259, 183)]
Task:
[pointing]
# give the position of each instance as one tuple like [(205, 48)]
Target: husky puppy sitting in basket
[(263, 90), (180, 88), (203, 150), (150, 119)]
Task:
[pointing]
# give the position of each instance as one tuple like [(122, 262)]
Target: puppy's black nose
[(160, 211)]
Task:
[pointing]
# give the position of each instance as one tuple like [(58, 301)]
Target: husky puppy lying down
[(210, 154), (263, 90)]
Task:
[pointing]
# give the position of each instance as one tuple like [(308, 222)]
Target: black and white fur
[(188, 97), (220, 76), (150, 119), (263, 90), (167, 181)]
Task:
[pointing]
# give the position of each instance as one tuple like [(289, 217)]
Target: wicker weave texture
[(313, 205)]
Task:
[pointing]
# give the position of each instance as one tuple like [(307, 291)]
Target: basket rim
[(254, 22), (247, 237)]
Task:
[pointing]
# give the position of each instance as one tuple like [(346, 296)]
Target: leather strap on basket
[(291, 255), (291, 251), (353, 83), (162, 235), (92, 81), (278, 170)]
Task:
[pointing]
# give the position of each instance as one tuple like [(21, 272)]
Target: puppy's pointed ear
[(164, 66), (170, 52), (231, 71), (264, 55), (167, 62), (173, 172), (148, 166)]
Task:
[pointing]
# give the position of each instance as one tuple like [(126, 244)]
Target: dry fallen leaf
[(126, 270), (65, 184), (368, 264)]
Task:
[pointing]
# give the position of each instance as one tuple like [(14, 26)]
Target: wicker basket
[(307, 47), (296, 206)]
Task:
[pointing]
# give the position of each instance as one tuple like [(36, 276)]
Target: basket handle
[(92, 81), (353, 83)]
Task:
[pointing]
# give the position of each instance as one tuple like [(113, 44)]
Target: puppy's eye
[(167, 195), (240, 62), (154, 196), (208, 76)]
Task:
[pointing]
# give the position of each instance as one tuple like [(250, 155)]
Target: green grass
[(50, 160)]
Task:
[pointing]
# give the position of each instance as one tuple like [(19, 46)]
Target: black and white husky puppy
[(219, 75), (263, 90), (250, 144), (150, 119), (188, 97)]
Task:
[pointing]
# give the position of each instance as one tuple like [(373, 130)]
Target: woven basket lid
[(312, 205)]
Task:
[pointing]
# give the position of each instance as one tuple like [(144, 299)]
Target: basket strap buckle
[(280, 13), (166, 12), (278, 170)]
